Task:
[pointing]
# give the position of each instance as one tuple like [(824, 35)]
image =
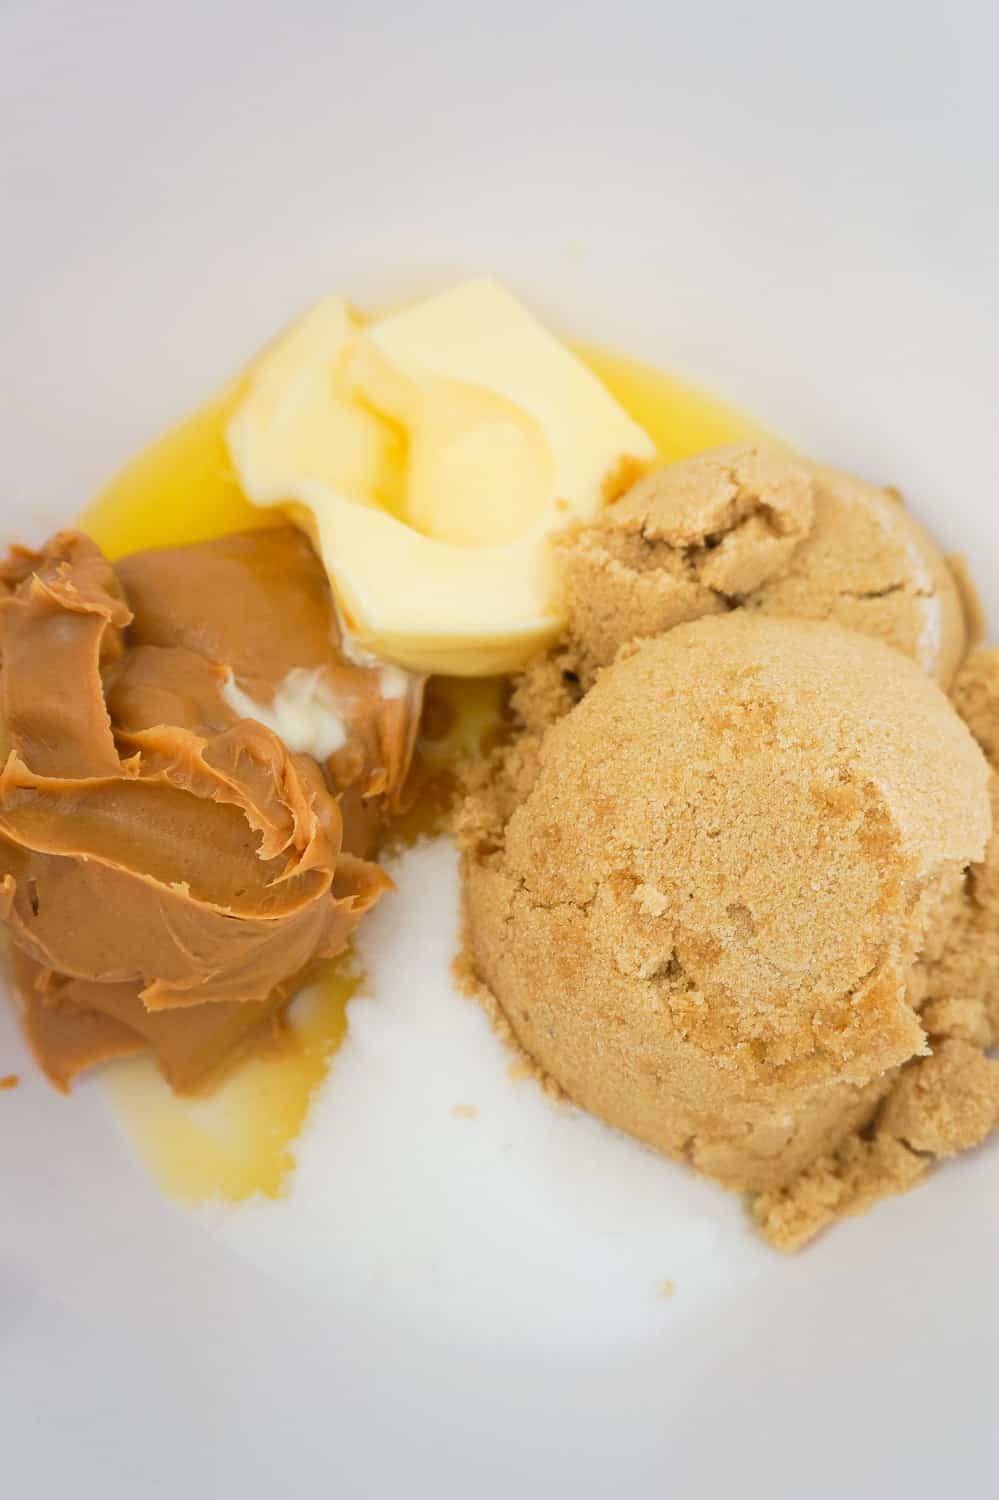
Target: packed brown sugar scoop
[(170, 871), (732, 885)]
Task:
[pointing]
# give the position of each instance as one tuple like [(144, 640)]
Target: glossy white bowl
[(796, 207)]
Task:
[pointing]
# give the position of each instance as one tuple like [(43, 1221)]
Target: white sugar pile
[(463, 1203)]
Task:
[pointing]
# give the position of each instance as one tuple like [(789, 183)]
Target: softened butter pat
[(433, 454)]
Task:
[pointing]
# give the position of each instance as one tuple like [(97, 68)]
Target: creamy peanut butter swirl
[(170, 870)]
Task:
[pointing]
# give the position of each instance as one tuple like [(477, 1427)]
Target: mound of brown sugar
[(741, 897), (747, 526)]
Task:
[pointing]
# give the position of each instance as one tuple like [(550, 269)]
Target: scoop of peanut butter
[(170, 869)]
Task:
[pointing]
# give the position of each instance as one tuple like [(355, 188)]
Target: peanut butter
[(169, 870)]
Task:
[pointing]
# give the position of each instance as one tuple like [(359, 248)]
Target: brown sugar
[(741, 896), (746, 526)]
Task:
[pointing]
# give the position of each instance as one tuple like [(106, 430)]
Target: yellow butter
[(436, 452)]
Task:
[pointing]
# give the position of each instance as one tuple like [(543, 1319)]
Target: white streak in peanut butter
[(304, 713)]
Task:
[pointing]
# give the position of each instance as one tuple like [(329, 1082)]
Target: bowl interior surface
[(795, 209)]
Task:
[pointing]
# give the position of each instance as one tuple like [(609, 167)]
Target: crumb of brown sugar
[(466, 1111), (520, 1070), (9, 1081)]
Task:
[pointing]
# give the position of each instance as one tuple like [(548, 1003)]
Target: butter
[(298, 432), (304, 713), (433, 454)]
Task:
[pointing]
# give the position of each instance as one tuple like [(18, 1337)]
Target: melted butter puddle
[(237, 1140)]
